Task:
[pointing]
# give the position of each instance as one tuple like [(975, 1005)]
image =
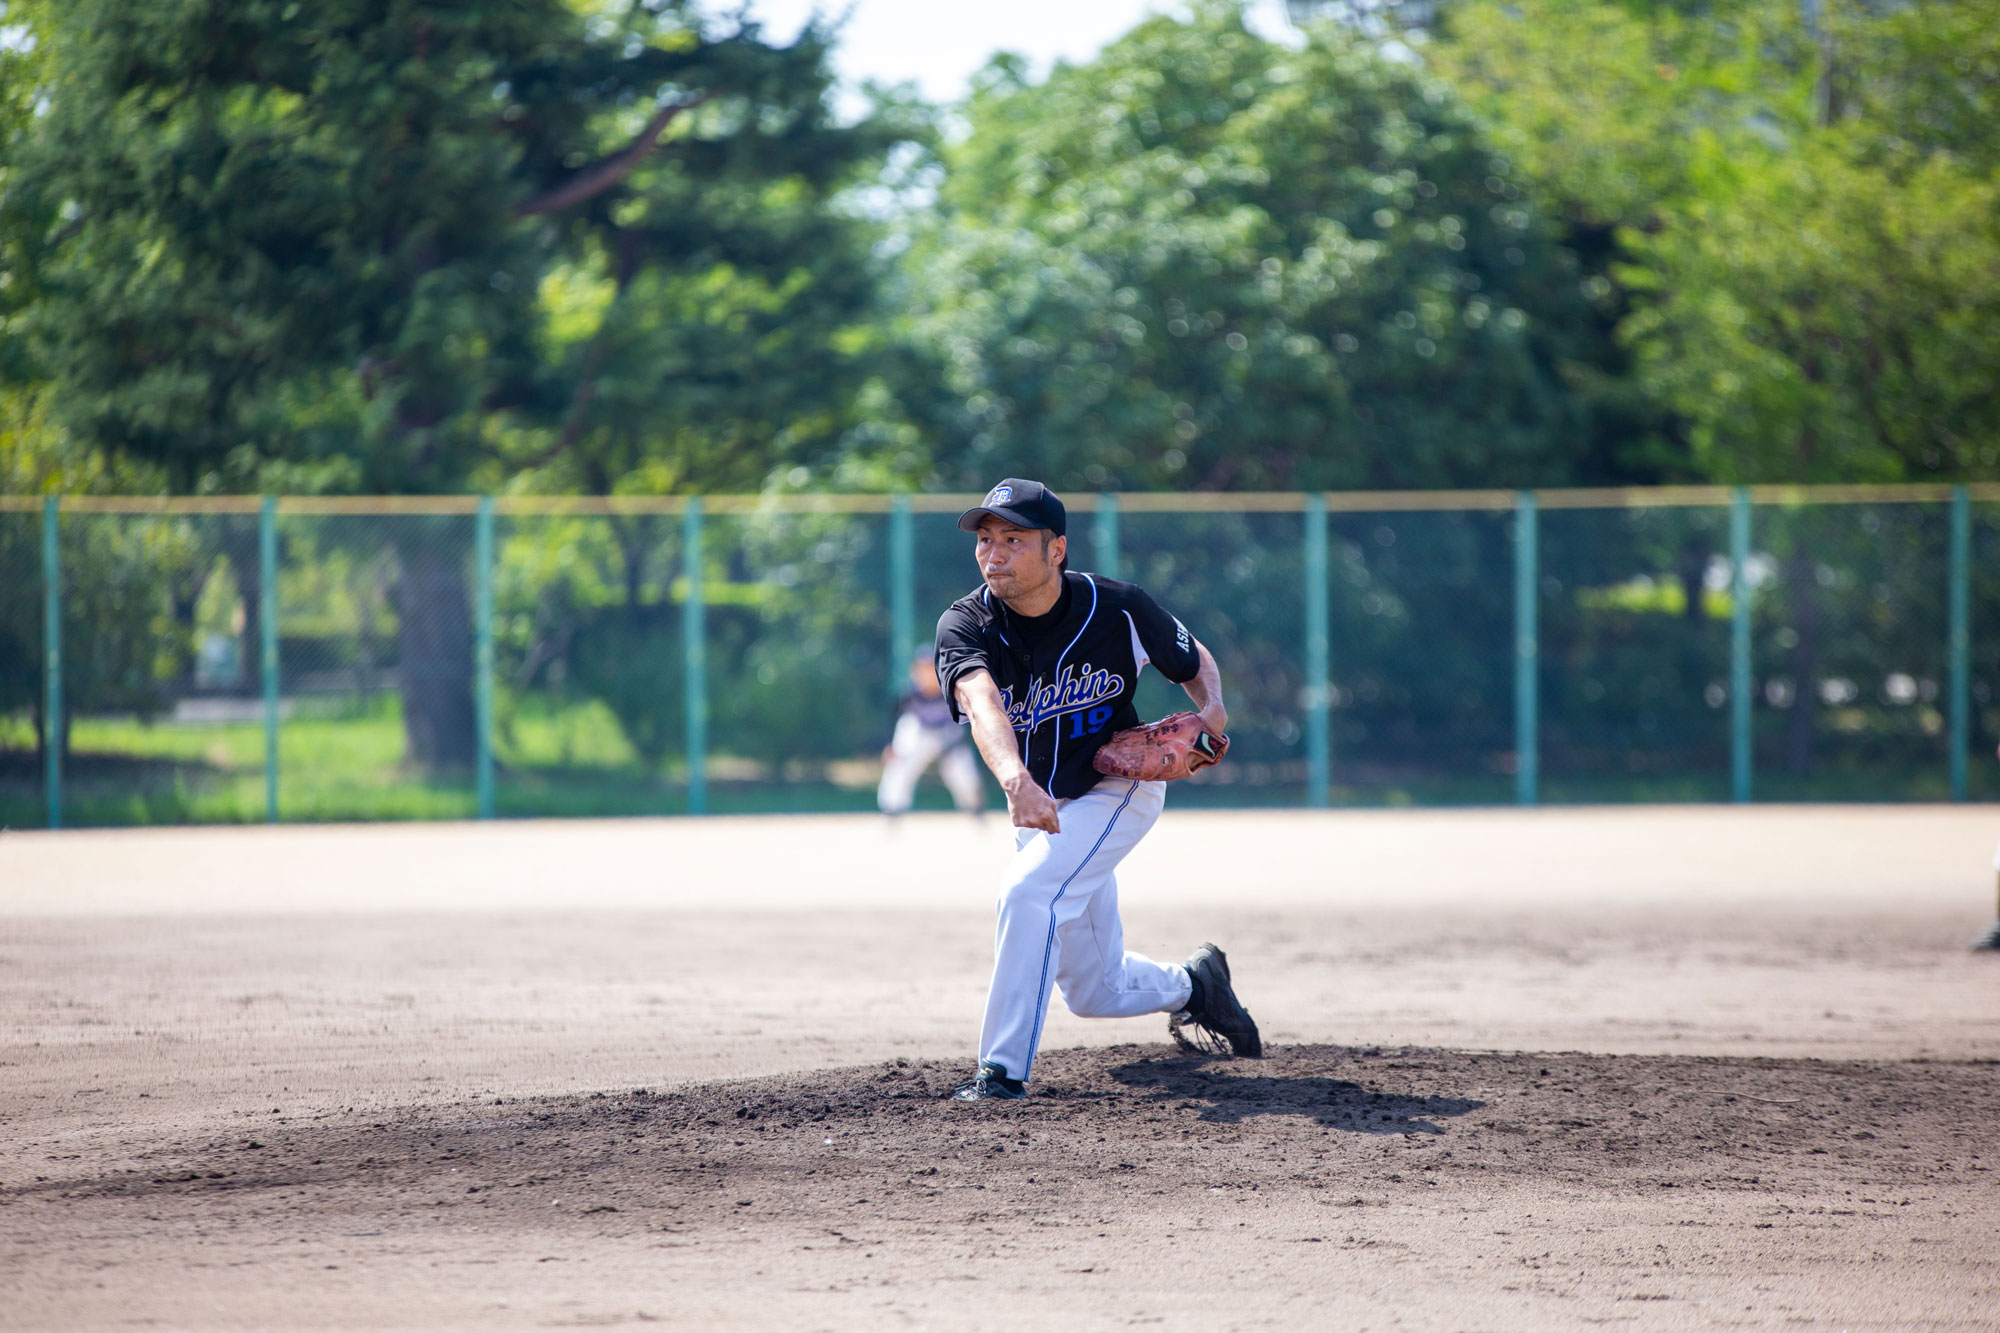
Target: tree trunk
[(245, 558), (1803, 581), (38, 719), (1691, 566), (435, 619), (635, 537)]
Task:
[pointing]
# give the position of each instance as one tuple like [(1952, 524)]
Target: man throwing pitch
[(1044, 663)]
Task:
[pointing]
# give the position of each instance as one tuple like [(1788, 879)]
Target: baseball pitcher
[(1043, 663)]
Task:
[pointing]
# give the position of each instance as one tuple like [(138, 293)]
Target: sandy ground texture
[(1665, 1068)]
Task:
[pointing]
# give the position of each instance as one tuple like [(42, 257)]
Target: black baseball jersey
[(1067, 677)]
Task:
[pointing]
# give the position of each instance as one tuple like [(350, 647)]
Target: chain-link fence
[(242, 659)]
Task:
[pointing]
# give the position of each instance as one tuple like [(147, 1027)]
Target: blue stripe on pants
[(1048, 946)]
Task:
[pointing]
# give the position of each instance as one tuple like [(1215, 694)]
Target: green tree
[(121, 579), (1920, 78), (124, 581), (1798, 226), (717, 324), (339, 246), (1818, 318), (1205, 260)]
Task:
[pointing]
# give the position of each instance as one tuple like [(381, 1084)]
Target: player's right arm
[(979, 701)]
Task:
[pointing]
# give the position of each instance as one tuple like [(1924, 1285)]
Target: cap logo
[(1001, 495)]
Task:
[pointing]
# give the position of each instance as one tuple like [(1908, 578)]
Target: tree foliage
[(1820, 319), (122, 580), (1205, 260), (338, 238), (1801, 224), (424, 245), (606, 246)]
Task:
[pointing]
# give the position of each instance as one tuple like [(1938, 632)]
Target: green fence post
[(1319, 756), (694, 648), (1104, 536), (1527, 651), (902, 592), (1739, 645), (267, 563), (1960, 643), (482, 628), (52, 663)]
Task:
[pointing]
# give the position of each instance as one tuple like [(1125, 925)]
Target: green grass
[(536, 732), (226, 746), (17, 733), (344, 760)]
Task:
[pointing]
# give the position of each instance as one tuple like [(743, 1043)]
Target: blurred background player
[(926, 733), (1991, 939)]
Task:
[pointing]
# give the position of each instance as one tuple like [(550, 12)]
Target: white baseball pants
[(1059, 926), (912, 749)]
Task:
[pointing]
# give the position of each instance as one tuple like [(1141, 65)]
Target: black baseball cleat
[(1214, 1022), (990, 1084)]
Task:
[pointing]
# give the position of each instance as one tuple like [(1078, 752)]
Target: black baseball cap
[(1025, 504)]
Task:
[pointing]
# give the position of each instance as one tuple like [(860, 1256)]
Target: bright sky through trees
[(938, 46)]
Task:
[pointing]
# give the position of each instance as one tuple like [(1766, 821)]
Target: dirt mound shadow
[(1226, 1092)]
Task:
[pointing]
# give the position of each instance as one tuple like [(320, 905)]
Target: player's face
[(924, 678), (1015, 562)]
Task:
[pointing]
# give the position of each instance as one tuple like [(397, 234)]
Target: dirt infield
[(1430, 1189), (1657, 1069)]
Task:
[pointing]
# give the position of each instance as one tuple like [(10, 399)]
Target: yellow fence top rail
[(1135, 502)]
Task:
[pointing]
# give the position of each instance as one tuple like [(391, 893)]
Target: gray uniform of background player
[(927, 733)]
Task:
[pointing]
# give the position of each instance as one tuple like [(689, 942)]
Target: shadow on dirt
[(1233, 1096)]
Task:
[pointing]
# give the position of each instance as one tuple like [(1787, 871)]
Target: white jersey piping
[(1055, 756)]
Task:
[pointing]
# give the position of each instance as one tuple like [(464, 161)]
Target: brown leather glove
[(1173, 747)]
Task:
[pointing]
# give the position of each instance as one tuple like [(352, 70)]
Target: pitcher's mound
[(1305, 1119), (1134, 1183)]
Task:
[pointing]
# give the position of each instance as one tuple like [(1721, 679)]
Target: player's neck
[(1039, 602)]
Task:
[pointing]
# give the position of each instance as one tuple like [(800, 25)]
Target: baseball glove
[(1173, 747)]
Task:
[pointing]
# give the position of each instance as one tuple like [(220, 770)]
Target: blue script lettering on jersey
[(1076, 689)]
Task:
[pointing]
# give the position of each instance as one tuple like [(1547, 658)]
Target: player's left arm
[(1205, 689), (1180, 656)]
